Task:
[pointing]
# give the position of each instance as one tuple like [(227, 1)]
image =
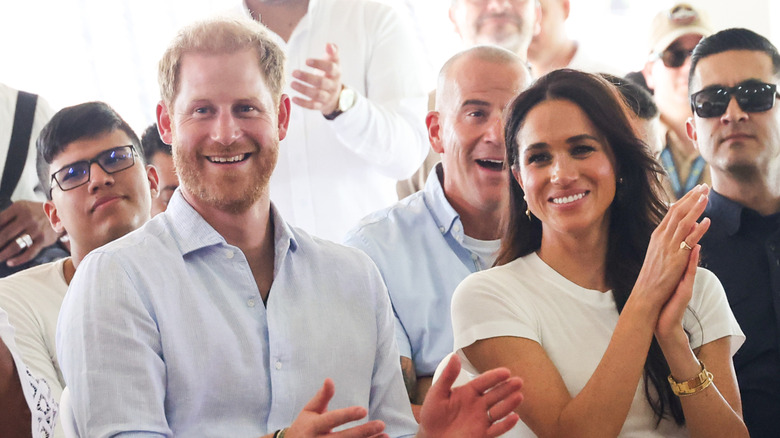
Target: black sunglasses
[(752, 96), (111, 161), (674, 58)]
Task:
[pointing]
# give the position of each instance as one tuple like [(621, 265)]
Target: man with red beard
[(217, 318)]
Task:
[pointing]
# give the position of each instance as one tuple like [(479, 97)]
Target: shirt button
[(474, 257), (456, 228), (251, 302), (441, 229), (229, 254), (278, 365)]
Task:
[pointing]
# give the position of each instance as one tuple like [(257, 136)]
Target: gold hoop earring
[(528, 213)]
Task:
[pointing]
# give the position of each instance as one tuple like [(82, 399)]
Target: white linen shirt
[(332, 173), (163, 333)]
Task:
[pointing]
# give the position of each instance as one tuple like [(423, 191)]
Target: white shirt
[(32, 298), (43, 408), (28, 188), (332, 173), (526, 298)]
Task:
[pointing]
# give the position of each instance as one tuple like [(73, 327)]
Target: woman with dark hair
[(596, 300)]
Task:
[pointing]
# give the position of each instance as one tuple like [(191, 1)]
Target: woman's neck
[(581, 258)]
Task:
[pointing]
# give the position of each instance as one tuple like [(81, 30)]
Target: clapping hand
[(320, 89), (484, 407)]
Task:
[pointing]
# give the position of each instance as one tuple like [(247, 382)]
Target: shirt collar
[(726, 211), (443, 214), (191, 232)]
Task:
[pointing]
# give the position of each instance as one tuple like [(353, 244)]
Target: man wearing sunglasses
[(101, 189), (736, 128), (674, 34)]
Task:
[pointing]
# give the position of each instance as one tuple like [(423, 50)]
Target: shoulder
[(400, 219), (35, 284), (504, 283), (322, 251)]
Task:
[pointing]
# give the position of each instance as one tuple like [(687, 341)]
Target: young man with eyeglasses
[(673, 35), (101, 189), (736, 128)]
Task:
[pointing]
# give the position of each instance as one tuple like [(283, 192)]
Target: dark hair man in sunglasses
[(736, 128), (674, 33), (100, 191)]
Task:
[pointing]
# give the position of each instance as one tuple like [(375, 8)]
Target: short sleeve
[(709, 316), (492, 303)]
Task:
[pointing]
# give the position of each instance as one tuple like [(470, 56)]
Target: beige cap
[(681, 19)]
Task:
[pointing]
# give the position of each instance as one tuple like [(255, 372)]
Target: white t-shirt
[(32, 298), (43, 408), (527, 298)]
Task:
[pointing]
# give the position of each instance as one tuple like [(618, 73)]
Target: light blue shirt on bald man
[(163, 333), (418, 246)]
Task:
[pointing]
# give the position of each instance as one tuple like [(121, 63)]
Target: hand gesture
[(669, 326), (316, 421), (670, 252), (481, 408), (322, 88), (24, 232)]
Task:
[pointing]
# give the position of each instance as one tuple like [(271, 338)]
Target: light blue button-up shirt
[(163, 332), (418, 246)]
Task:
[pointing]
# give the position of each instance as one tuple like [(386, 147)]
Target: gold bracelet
[(692, 386)]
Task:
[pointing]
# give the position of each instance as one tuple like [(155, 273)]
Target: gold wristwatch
[(347, 99), (692, 386)]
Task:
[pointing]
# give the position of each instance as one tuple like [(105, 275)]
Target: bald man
[(430, 241)]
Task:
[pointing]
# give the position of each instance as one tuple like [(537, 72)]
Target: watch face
[(346, 99)]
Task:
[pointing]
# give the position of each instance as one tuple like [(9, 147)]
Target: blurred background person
[(673, 35), (159, 155), (24, 230), (552, 48)]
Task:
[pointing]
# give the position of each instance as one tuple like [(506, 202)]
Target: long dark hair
[(635, 212)]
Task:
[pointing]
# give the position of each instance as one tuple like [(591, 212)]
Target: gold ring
[(684, 245)]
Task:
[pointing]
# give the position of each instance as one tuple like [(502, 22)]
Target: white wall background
[(71, 51)]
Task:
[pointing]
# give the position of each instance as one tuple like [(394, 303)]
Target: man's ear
[(451, 14), (538, 19), (164, 123), (432, 121), (690, 128), (54, 219), (566, 8), (647, 72), (154, 180), (283, 115)]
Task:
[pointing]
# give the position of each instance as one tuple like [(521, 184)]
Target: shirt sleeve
[(110, 353), (357, 239), (389, 400), (30, 339), (387, 126), (709, 316), (484, 307)]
